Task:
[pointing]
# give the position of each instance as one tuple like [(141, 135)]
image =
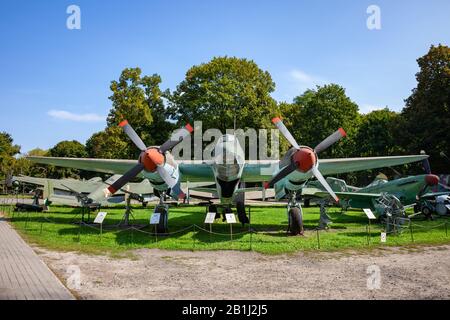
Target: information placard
[(100, 217), (369, 214), (154, 219), (383, 237), (231, 218), (210, 217)]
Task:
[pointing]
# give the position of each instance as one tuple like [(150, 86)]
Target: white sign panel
[(154, 219), (369, 214), (100, 217), (231, 218), (448, 207), (210, 217), (383, 237)]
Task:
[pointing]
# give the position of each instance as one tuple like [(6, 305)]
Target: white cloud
[(367, 108), (294, 82), (66, 115), (303, 80)]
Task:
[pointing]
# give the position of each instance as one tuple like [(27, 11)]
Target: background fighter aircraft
[(77, 192), (165, 174), (380, 196)]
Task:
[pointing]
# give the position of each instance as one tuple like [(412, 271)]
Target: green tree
[(426, 116), (222, 90), (8, 151), (108, 144), (316, 114), (66, 149), (28, 168), (139, 100), (377, 134)]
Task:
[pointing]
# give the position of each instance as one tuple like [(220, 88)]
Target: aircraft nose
[(431, 179)]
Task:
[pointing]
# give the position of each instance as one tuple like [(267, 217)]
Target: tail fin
[(425, 163)]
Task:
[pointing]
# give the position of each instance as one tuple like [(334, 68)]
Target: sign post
[(370, 216), (231, 218), (99, 220), (154, 220), (209, 219)]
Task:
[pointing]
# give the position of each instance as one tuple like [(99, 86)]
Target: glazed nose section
[(431, 179)]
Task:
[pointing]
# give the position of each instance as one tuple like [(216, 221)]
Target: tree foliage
[(377, 134), (66, 149), (108, 144), (139, 100), (316, 114), (222, 90), (8, 150), (426, 116)]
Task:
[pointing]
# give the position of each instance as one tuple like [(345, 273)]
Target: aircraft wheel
[(227, 210), (242, 216), (306, 203), (295, 221), (162, 226), (213, 208), (426, 212)]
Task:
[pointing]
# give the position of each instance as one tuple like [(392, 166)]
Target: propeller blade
[(324, 183), (177, 193), (285, 132), (331, 139), (129, 131), (176, 138), (167, 173), (281, 174), (123, 180)]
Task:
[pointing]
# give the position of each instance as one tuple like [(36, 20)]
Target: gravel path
[(405, 273)]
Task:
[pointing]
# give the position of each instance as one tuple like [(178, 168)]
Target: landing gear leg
[(325, 220), (213, 208), (295, 216), (163, 210), (242, 215)]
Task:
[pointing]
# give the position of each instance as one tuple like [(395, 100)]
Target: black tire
[(213, 208), (242, 216), (426, 212), (226, 211), (162, 226), (306, 203), (295, 221)]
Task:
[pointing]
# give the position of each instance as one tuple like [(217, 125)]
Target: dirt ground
[(405, 273)]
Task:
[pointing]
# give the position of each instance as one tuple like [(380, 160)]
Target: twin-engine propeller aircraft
[(165, 174)]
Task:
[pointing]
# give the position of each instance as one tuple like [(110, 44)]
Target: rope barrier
[(389, 228)]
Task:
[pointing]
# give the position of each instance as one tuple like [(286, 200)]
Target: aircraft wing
[(335, 166), (350, 195), (110, 166), (254, 171), (435, 194), (31, 180)]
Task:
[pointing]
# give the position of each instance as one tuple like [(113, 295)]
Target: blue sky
[(54, 82)]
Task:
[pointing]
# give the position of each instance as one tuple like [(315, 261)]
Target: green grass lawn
[(56, 230)]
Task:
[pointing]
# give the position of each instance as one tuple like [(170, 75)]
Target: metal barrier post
[(193, 238), (446, 233), (318, 239), (411, 231)]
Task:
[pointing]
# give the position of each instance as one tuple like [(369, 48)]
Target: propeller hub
[(151, 159), (305, 159), (431, 179)]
